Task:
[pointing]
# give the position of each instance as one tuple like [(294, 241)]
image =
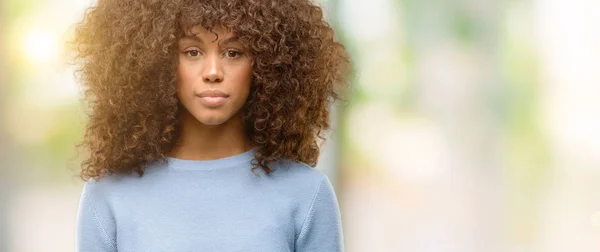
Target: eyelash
[(237, 52)]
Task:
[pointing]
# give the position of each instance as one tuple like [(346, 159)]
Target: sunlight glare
[(39, 47)]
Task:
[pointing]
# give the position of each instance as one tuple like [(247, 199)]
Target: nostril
[(213, 79)]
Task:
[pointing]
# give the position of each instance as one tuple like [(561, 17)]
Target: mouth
[(213, 93), (213, 98)]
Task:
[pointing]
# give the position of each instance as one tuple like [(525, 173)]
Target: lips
[(213, 93), (213, 98)]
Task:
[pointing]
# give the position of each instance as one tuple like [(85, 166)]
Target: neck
[(199, 141)]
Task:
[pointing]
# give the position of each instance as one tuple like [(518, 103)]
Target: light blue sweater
[(214, 205)]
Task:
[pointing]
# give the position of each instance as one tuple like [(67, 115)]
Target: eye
[(231, 53), (192, 53)]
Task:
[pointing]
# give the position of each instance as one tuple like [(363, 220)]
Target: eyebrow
[(231, 39)]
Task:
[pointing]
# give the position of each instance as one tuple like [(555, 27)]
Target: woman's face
[(214, 75)]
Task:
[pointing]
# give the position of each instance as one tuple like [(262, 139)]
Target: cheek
[(245, 81), (184, 77), (244, 77), (182, 84)]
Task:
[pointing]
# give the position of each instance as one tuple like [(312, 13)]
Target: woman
[(204, 121)]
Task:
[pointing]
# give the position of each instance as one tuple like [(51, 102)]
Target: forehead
[(208, 33)]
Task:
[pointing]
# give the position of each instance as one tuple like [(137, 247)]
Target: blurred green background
[(471, 125)]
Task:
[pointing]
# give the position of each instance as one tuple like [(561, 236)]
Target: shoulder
[(113, 186), (309, 189), (296, 180), (300, 174), (101, 190)]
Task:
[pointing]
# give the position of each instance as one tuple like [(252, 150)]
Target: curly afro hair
[(125, 53)]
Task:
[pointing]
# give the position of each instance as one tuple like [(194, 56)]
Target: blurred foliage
[(514, 102), (51, 157)]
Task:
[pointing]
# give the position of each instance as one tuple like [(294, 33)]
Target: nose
[(213, 71)]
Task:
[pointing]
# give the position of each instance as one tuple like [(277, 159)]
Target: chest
[(232, 225)]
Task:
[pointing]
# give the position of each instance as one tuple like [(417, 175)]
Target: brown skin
[(212, 61), (130, 65)]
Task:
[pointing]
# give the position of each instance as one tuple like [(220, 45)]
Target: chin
[(211, 118), (213, 122)]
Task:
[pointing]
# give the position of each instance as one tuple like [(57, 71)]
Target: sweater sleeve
[(95, 225), (322, 228)]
